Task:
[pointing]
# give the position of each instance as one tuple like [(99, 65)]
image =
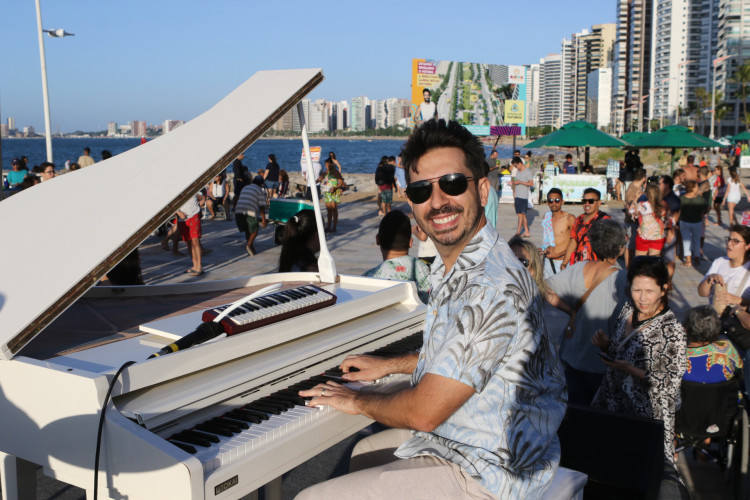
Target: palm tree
[(703, 98), (742, 79)]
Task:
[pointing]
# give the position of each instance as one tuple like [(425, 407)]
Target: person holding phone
[(647, 351)]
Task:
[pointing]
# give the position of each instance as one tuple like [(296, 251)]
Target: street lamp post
[(713, 94), (59, 33)]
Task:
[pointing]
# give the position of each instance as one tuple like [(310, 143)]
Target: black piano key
[(194, 438), (257, 406), (238, 422), (250, 307), (262, 304), (268, 300), (320, 379), (235, 427), (202, 435), (214, 429), (244, 416), (185, 447), (336, 372), (302, 386), (260, 414), (283, 404), (278, 298), (294, 398), (292, 294)]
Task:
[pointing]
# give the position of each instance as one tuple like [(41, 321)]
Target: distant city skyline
[(169, 60)]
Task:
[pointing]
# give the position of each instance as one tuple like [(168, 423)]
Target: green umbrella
[(674, 136), (633, 137), (578, 134), (742, 136)]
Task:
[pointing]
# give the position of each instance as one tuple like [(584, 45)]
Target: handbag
[(733, 329)]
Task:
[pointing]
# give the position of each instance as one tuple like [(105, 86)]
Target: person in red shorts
[(189, 216), (649, 210)]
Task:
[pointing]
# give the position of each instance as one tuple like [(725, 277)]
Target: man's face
[(48, 173), (426, 96), (450, 221), (493, 155), (663, 188), (554, 202), (551, 158), (591, 203)]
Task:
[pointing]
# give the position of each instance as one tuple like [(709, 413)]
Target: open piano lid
[(63, 235)]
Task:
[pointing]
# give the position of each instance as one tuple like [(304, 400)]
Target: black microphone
[(206, 331)]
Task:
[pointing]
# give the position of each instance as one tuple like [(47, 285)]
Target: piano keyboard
[(222, 440), (271, 308)]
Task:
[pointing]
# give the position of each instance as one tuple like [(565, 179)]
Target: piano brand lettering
[(221, 488)]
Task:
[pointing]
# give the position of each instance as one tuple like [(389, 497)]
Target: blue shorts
[(521, 204), (272, 185)]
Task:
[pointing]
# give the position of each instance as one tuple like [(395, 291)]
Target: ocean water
[(359, 156)]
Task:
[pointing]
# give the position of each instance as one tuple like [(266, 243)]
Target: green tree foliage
[(742, 79)]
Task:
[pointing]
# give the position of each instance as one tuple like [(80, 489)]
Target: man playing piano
[(487, 392)]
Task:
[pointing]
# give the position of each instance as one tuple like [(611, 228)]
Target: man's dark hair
[(395, 231), (86, 150), (106, 155), (639, 174), (668, 181), (391, 158), (607, 237), (434, 134), (592, 191), (428, 91), (555, 191), (568, 156), (516, 160), (516, 152), (703, 171)]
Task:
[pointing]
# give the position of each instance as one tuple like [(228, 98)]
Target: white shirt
[(316, 170), (427, 110), (733, 277), (191, 207)]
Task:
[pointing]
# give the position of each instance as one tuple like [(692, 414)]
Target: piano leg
[(271, 491), (17, 478)]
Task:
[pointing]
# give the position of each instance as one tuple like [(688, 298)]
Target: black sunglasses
[(588, 201), (554, 200), (525, 262), (450, 184)]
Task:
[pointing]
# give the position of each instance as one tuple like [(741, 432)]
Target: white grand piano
[(214, 421)]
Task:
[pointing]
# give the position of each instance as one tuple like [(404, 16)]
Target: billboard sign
[(483, 97)]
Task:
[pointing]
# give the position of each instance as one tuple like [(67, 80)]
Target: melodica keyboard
[(272, 307)]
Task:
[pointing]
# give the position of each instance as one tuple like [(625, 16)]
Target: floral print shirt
[(404, 268), (485, 328), (580, 233)]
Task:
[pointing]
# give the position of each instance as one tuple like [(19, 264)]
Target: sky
[(154, 60)]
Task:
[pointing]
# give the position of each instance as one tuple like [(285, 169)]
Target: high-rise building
[(550, 90), (317, 116), (170, 125), (111, 129), (734, 43), (11, 124), (4, 131), (599, 97), (593, 50), (359, 114), (138, 129), (670, 53), (532, 95), (567, 80), (620, 66)]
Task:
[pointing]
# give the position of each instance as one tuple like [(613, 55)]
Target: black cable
[(101, 426)]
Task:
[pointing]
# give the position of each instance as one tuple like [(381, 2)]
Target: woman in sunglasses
[(590, 290)]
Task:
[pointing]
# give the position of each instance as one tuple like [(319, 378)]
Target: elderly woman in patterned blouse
[(645, 357)]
